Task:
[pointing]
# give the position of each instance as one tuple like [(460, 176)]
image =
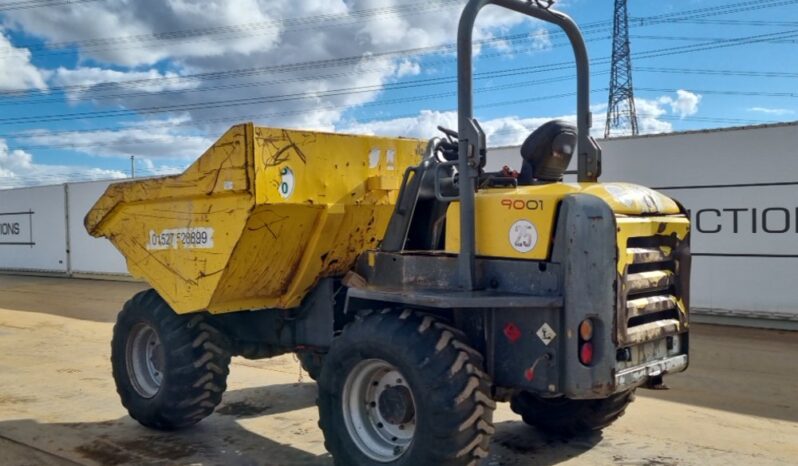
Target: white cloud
[(512, 130), (162, 139), (422, 126), (158, 147), (772, 111), (685, 103), (16, 71), (541, 41), (253, 34), (655, 115), (150, 168), (505, 131), (131, 26), (81, 79), (17, 168), (407, 68), (649, 113)]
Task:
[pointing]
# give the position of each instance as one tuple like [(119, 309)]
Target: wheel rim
[(379, 410), (145, 360)]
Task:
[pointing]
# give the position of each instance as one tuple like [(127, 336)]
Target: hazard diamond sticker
[(546, 334)]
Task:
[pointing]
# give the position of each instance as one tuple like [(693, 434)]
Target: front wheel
[(566, 417), (404, 389), (170, 370)]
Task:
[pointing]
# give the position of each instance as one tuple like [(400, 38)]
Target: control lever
[(450, 133)]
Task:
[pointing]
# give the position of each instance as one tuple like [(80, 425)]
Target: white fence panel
[(33, 229), (745, 221), (89, 255)]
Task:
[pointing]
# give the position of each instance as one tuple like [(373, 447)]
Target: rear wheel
[(566, 417), (404, 389), (170, 370)]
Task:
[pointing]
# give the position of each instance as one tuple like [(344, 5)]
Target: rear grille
[(649, 298)]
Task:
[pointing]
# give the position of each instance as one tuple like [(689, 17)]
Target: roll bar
[(472, 146)]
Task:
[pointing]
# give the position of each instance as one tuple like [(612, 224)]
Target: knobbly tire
[(170, 370), (311, 362), (568, 418), (401, 388)]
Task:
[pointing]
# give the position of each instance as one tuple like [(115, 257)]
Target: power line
[(314, 65), (353, 17), (24, 5), (650, 52), (747, 40), (725, 92), (651, 20), (710, 119), (356, 16), (384, 102), (349, 60), (747, 73), (23, 180), (394, 117), (239, 102), (442, 80), (427, 97), (446, 80), (693, 38), (337, 92), (673, 118), (709, 11), (331, 107), (737, 22)]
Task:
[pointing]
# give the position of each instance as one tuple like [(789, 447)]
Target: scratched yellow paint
[(633, 227), (498, 211), (258, 218)]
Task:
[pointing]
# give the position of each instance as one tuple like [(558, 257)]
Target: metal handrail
[(472, 147)]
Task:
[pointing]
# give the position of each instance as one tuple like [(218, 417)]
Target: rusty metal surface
[(638, 375), (479, 300), (653, 278), (642, 306)]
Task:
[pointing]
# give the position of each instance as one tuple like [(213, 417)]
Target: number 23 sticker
[(523, 236)]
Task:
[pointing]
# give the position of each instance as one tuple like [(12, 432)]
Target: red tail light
[(586, 353)]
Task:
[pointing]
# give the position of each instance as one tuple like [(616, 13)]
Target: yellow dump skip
[(258, 218)]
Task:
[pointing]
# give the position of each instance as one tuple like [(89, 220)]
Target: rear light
[(586, 330), (585, 342), (586, 353)]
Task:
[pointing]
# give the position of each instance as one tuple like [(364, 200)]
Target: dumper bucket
[(258, 218)]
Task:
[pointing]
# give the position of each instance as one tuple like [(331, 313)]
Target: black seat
[(547, 152)]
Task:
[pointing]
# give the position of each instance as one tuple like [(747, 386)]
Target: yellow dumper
[(416, 288), (258, 218)]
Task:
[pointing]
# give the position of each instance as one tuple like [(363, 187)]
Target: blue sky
[(84, 86)]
